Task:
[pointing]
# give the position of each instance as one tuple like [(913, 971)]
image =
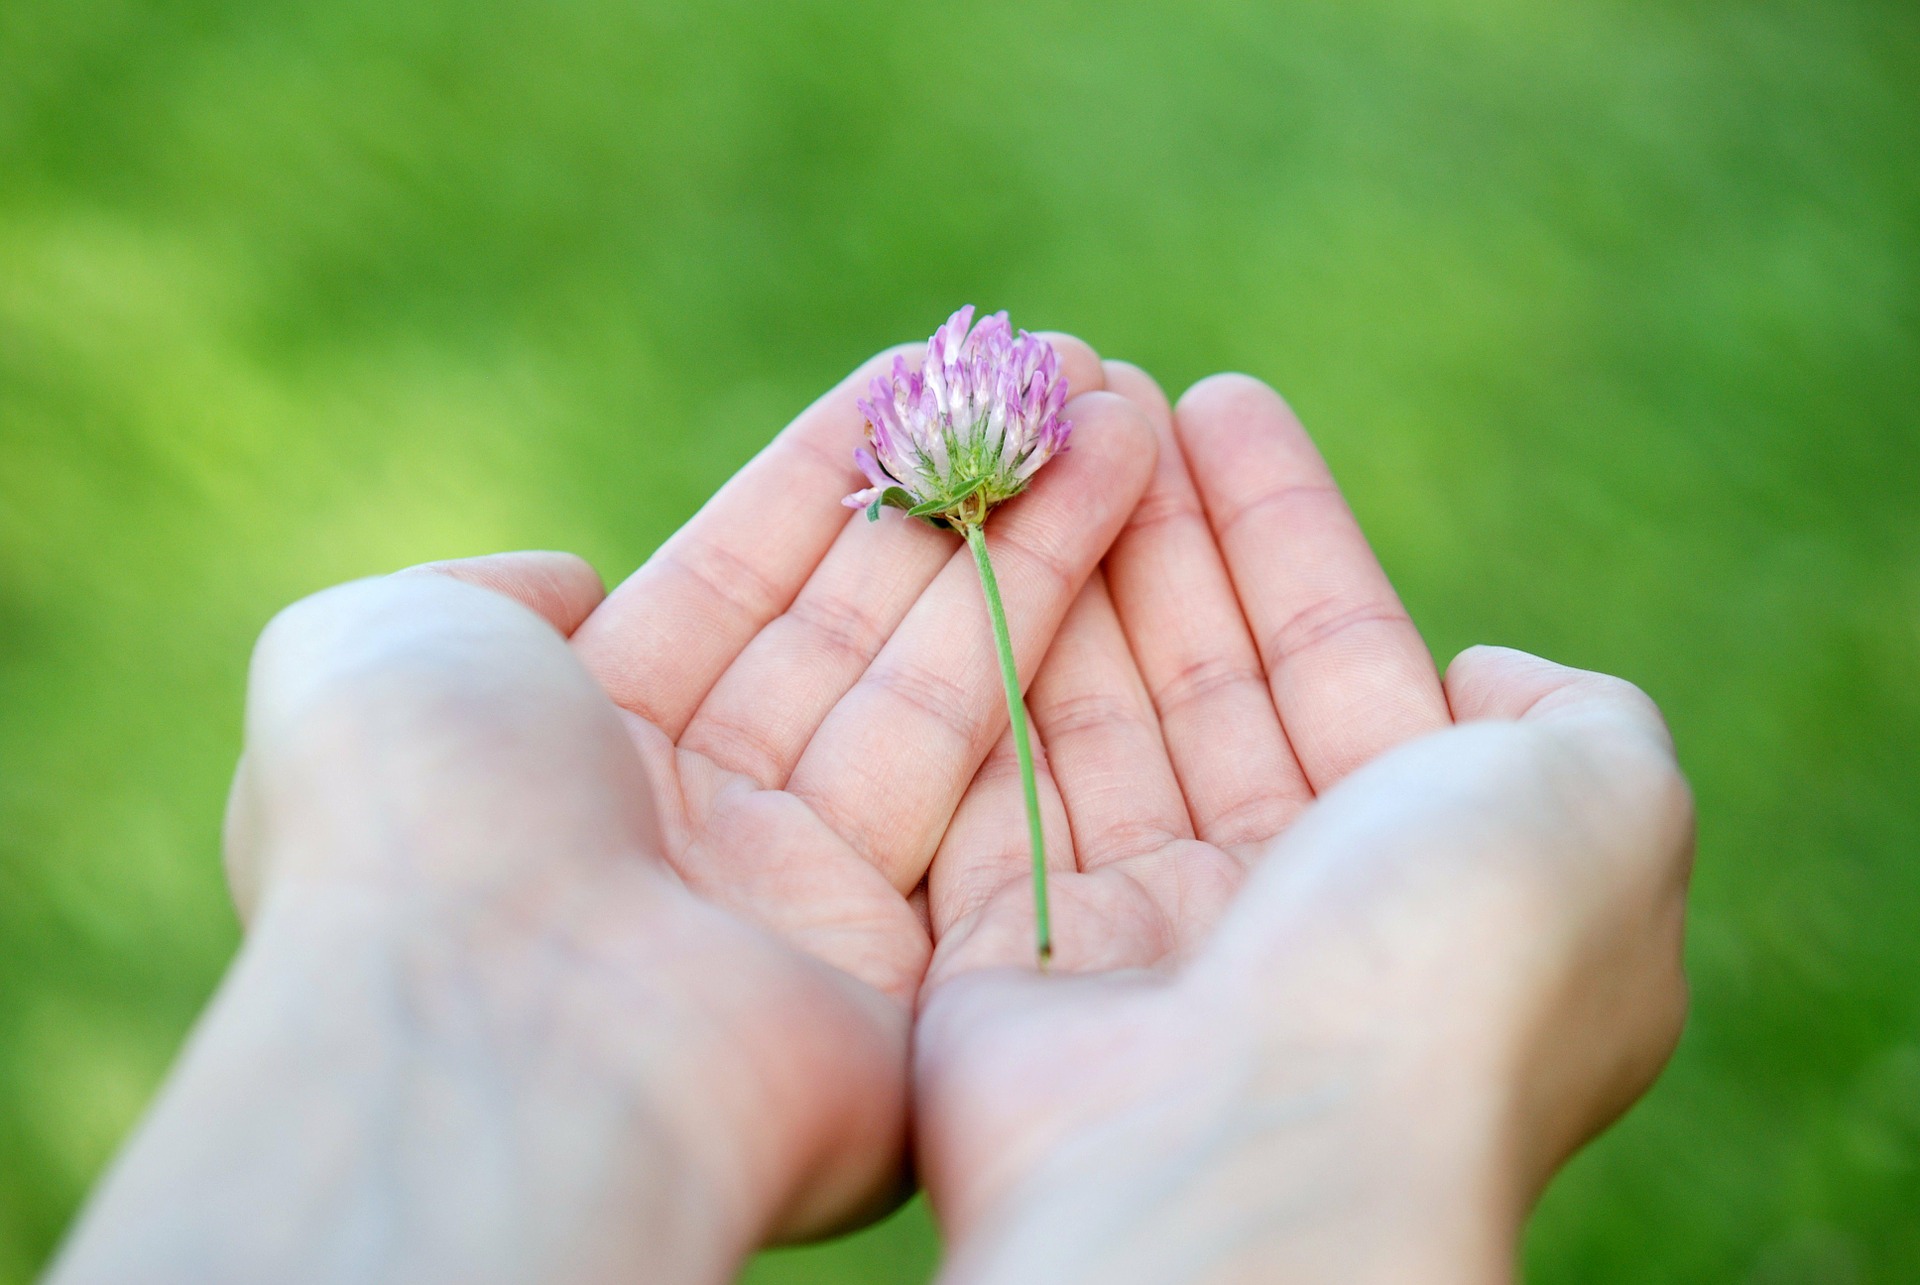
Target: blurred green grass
[(1607, 315)]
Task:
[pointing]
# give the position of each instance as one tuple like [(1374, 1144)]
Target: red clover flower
[(966, 430), (949, 441)]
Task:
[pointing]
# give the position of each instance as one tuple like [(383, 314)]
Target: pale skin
[(587, 936), (1364, 955)]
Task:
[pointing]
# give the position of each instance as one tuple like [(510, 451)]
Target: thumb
[(420, 730), (560, 588), (1499, 684)]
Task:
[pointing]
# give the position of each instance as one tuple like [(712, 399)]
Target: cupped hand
[(812, 692), (1347, 959), (798, 698)]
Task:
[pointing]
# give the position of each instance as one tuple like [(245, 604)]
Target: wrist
[(452, 1098), (658, 1055)]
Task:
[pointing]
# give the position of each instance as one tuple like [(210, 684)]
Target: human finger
[(1242, 781), (1350, 675), (662, 638), (764, 710), (892, 759), (1092, 711)]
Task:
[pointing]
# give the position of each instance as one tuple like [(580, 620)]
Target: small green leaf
[(942, 503), (893, 497)]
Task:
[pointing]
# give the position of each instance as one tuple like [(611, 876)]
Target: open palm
[(1217, 896), (811, 693), (1242, 652)]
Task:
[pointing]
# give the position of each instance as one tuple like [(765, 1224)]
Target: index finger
[(663, 638)]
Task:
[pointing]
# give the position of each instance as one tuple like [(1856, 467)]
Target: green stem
[(1022, 746)]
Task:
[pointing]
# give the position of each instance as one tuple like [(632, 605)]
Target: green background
[(1606, 314)]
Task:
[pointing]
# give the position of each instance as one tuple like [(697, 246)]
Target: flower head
[(966, 430)]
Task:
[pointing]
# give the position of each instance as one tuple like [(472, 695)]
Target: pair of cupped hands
[(612, 936)]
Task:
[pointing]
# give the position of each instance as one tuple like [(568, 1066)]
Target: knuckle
[(1098, 712), (1167, 504), (1273, 502), (1047, 554), (1204, 677), (943, 701), (1325, 619), (729, 578), (839, 625)]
